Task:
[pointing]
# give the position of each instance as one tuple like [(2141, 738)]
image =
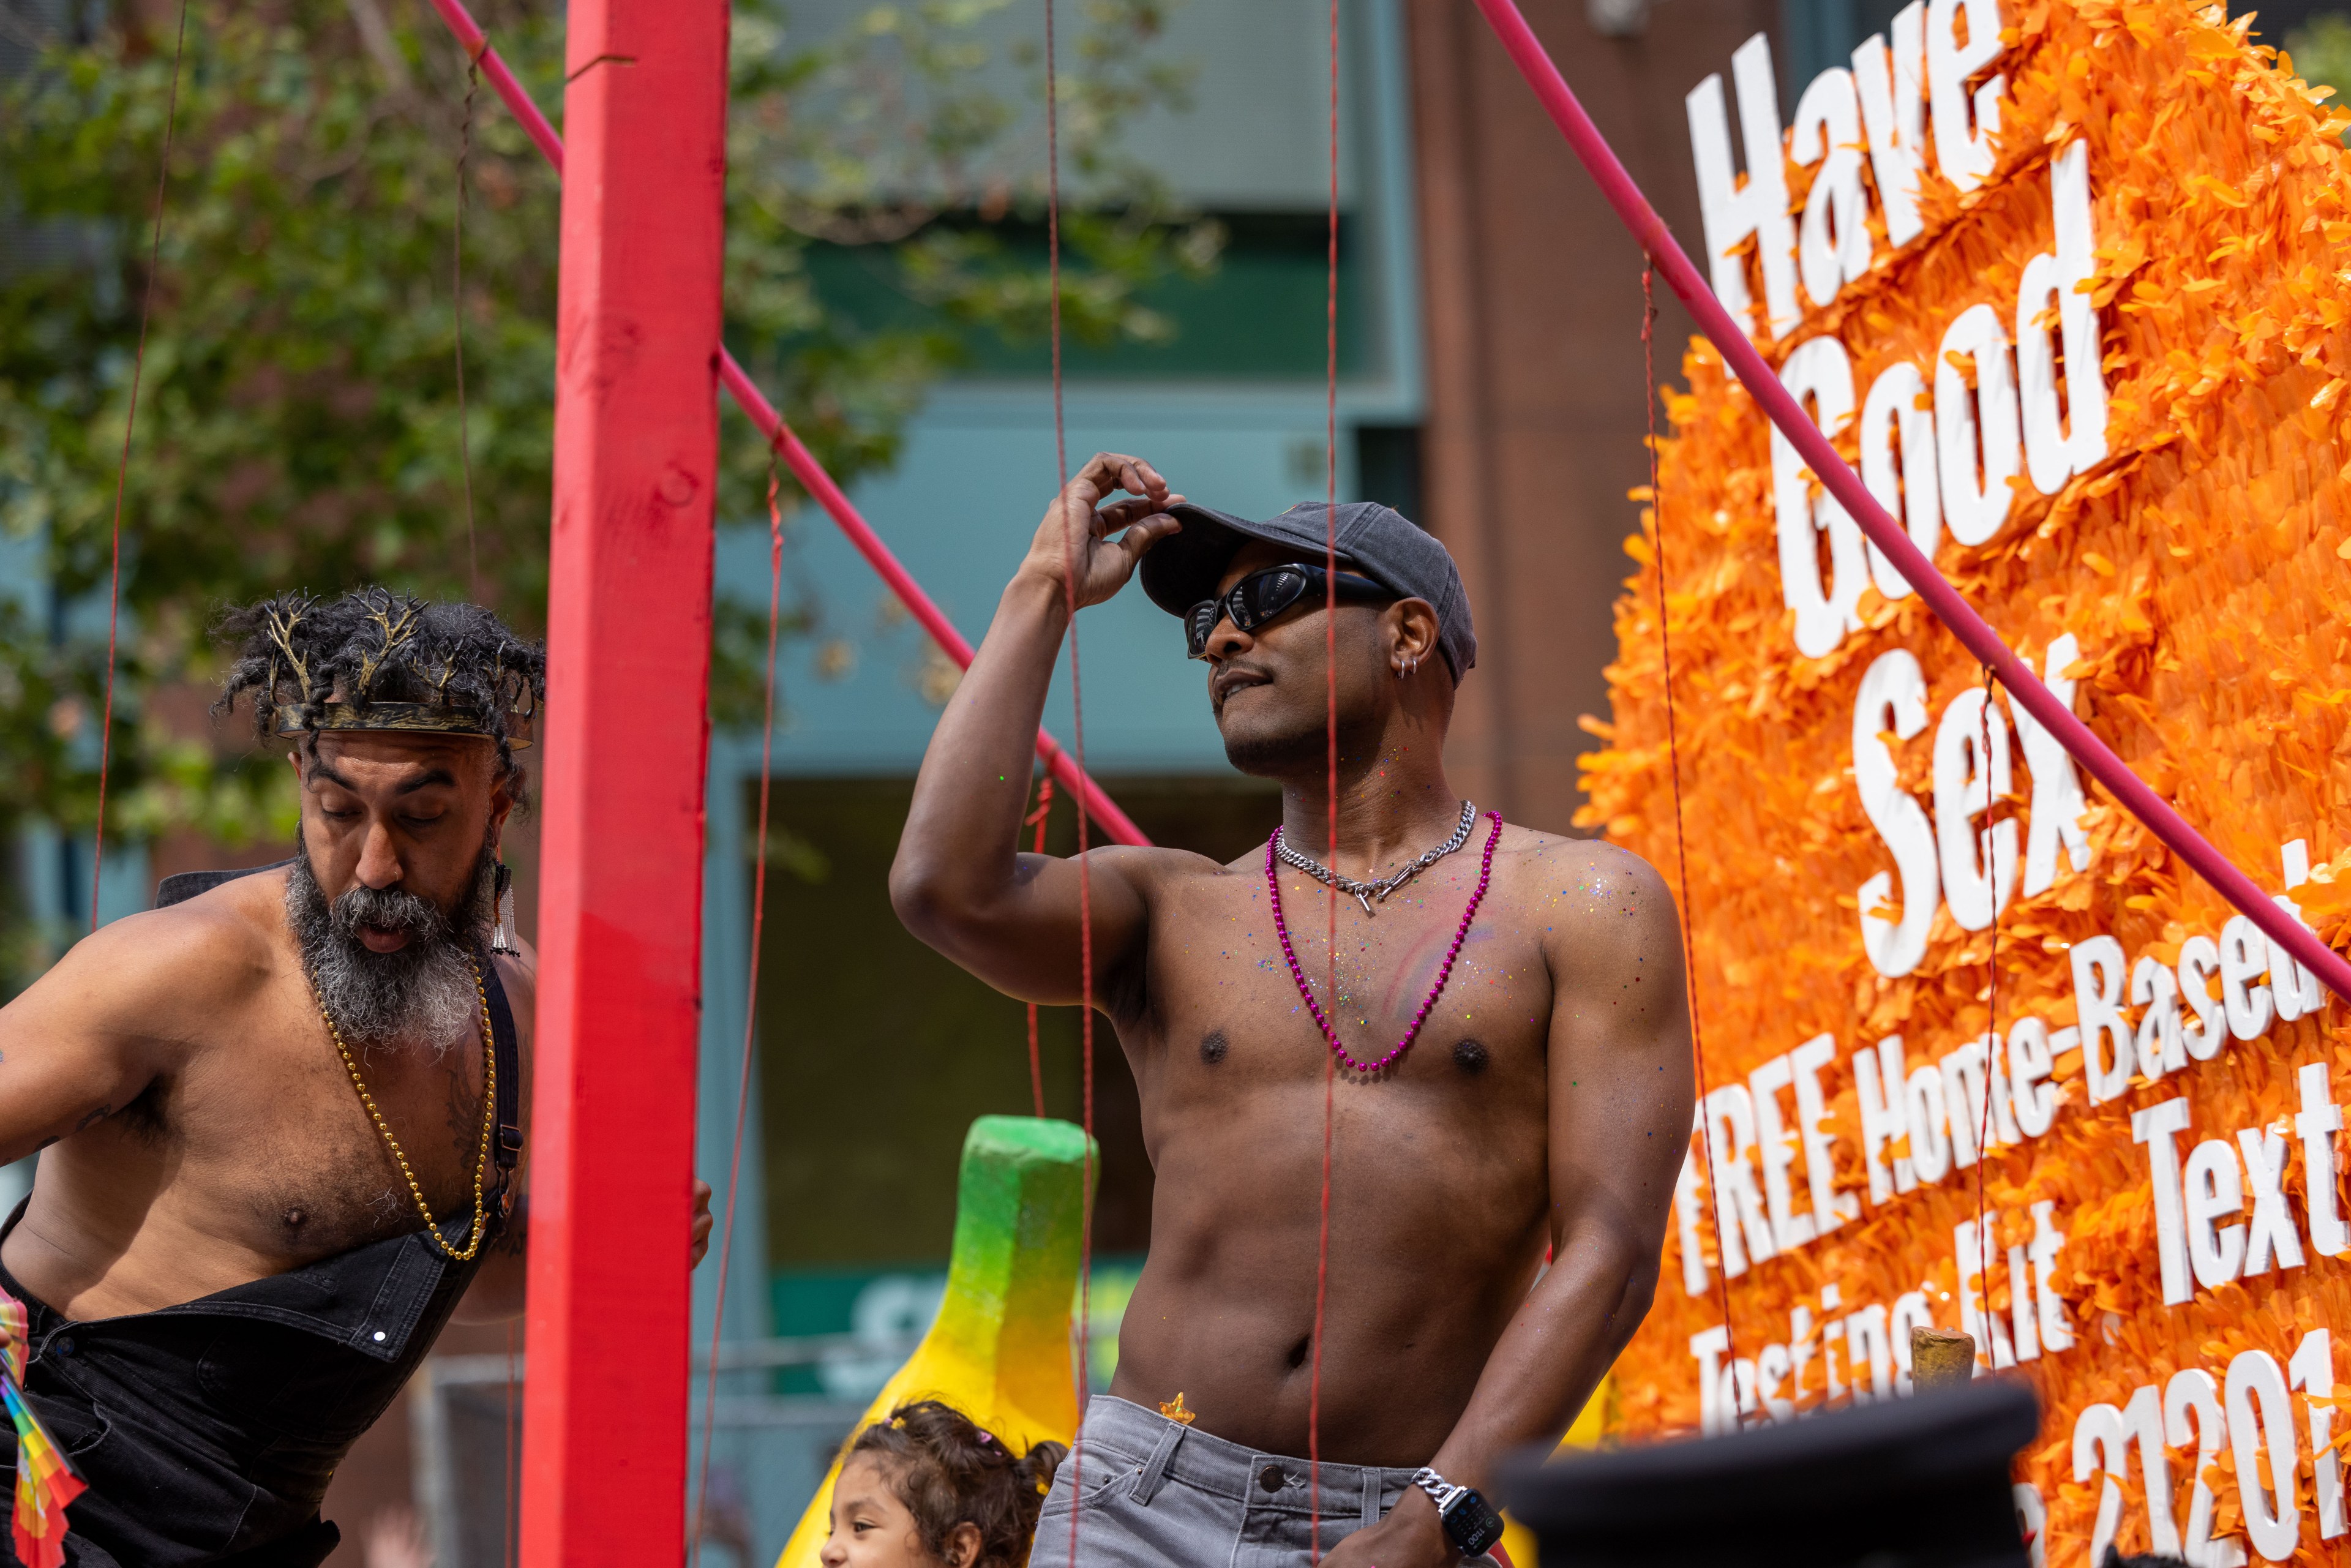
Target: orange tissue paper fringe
[(2201, 566)]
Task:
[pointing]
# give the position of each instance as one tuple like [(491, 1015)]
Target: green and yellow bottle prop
[(999, 1351)]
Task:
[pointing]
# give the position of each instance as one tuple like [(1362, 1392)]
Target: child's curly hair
[(949, 1471)]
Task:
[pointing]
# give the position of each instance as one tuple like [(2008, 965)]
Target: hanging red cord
[(1036, 1064), (750, 1002), (457, 318), (1681, 851), (511, 1514), (1330, 802), (123, 466), (509, 1525), (1991, 1032), (1078, 750)]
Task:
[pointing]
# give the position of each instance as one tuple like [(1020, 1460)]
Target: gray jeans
[(1156, 1493)]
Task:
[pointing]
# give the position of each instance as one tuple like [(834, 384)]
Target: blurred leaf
[(2321, 51), (798, 856), (298, 413)]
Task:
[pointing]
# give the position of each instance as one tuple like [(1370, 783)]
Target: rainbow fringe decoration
[(44, 1482)]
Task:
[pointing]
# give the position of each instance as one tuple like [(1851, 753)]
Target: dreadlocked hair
[(948, 1472), (295, 652)]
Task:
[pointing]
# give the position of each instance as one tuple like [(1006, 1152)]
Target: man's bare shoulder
[(229, 939), (162, 972), (1583, 896), (245, 915), (1152, 868), (1535, 849)]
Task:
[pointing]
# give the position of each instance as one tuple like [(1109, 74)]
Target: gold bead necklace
[(489, 1115)]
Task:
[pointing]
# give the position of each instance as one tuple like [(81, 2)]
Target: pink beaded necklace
[(1282, 929)]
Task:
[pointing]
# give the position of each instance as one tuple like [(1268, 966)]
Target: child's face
[(872, 1529)]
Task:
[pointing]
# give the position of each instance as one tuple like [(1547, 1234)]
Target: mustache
[(1232, 673), (390, 909)]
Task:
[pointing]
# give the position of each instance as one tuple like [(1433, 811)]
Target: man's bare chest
[(281, 1146), (1222, 978)]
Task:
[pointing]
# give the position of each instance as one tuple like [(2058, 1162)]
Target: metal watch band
[(1441, 1492), (1469, 1522)]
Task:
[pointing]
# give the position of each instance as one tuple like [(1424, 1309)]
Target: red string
[(507, 1525), (1078, 748), (123, 467), (1036, 1064), (1331, 799), (1681, 851), (750, 1001), (1991, 1027), (457, 320), (510, 1524)]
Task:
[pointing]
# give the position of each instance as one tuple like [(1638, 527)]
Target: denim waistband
[(1161, 1450)]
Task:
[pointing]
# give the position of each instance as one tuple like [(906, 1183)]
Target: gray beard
[(422, 996)]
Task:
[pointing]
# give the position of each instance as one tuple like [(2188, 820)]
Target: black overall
[(207, 1432)]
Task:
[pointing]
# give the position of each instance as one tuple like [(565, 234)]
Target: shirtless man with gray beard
[(1542, 1101), (283, 1119)]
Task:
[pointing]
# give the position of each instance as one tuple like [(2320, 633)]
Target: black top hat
[(1920, 1482)]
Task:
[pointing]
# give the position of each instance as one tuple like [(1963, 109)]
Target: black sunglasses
[(1262, 595)]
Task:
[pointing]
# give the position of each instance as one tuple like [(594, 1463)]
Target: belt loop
[(1154, 1469), (1374, 1483)]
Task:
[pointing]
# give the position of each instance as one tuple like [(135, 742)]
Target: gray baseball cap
[(1374, 541)]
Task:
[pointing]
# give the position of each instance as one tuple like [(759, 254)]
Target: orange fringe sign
[(2159, 1260)]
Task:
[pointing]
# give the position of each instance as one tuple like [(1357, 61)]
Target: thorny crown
[(375, 660)]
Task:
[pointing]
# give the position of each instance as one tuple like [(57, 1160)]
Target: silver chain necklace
[(1363, 893)]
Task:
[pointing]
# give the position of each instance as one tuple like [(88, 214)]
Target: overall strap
[(182, 886), (507, 1052)]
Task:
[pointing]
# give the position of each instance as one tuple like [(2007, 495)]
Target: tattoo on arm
[(464, 1119), (92, 1120), (514, 1239)]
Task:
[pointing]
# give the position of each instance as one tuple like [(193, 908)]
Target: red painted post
[(636, 449)]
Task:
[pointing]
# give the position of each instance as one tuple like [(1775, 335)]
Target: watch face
[(1473, 1526)]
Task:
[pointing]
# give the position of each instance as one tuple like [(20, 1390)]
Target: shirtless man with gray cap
[(1513, 1061)]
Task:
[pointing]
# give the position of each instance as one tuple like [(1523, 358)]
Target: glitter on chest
[(1306, 994)]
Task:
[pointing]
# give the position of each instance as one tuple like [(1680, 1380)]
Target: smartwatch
[(1470, 1522)]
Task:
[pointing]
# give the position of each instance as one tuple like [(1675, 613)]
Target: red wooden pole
[(636, 451)]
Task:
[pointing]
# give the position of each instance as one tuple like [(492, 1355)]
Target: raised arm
[(959, 882)]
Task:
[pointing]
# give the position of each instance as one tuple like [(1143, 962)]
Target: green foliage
[(299, 413), (2321, 51)]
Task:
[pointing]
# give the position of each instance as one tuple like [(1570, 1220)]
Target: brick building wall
[(1531, 293)]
